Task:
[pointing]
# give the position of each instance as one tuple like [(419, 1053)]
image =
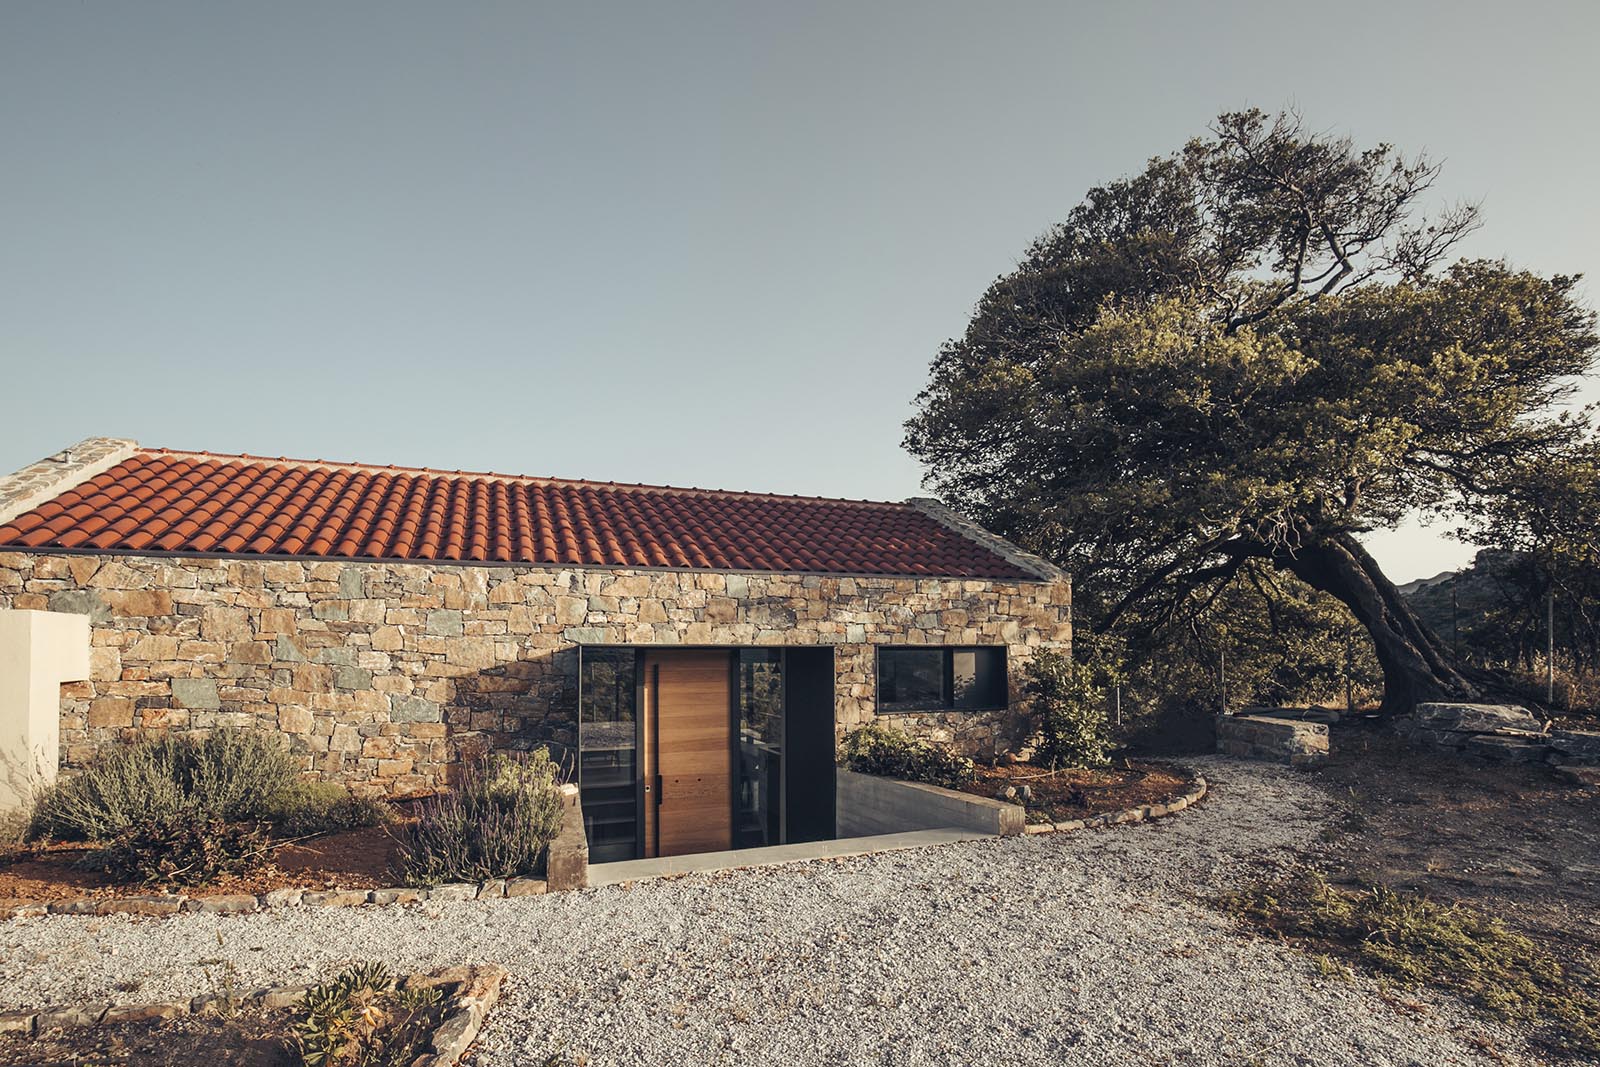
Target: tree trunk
[(1416, 667)]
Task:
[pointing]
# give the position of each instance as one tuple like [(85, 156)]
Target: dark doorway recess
[(684, 750)]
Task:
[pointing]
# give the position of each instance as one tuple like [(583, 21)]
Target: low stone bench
[(1259, 737)]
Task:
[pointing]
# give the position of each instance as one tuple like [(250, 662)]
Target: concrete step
[(706, 862)]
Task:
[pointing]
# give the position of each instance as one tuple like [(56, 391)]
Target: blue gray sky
[(697, 244)]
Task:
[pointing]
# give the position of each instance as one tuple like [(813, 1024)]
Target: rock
[(281, 996), (16, 1022), (454, 891), (334, 898), (1579, 745), (397, 895), (75, 906), (154, 904), (195, 693), (451, 1038), (140, 1013), (282, 898), (1475, 718), (70, 1016), (223, 904), (1506, 749), (1582, 776)]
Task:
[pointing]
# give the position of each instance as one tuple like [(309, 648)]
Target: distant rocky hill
[(1463, 598)]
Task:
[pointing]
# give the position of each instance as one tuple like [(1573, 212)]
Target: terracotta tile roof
[(160, 501)]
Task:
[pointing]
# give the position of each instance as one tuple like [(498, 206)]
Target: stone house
[(693, 654)]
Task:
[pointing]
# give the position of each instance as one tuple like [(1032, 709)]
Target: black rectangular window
[(933, 679)]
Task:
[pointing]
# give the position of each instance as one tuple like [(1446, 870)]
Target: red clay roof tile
[(160, 501)]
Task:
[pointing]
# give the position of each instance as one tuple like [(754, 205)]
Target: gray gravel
[(1087, 947)]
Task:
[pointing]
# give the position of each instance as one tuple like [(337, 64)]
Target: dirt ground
[(252, 1038), (353, 859), (1516, 841), (1077, 793)]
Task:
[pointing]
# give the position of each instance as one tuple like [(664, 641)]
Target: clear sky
[(676, 242)]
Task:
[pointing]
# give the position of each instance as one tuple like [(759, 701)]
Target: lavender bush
[(496, 823)]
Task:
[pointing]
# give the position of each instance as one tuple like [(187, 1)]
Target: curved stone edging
[(477, 990), (1171, 806)]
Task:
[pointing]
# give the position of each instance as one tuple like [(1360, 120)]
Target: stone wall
[(386, 674), (1262, 737)]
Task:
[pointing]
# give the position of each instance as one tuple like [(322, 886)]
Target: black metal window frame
[(946, 700)]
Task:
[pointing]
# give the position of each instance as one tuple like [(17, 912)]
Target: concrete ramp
[(707, 862)]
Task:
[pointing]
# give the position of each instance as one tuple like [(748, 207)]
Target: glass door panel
[(758, 798), (608, 747)]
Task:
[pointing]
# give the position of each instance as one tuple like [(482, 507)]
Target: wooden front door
[(689, 752)]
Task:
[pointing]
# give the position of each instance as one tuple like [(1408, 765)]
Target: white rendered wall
[(38, 651)]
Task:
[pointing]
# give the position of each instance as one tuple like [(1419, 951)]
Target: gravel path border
[(1029, 950), (475, 990)]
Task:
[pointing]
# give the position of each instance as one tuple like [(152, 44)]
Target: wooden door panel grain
[(692, 711)]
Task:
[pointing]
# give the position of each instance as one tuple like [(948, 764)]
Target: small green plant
[(891, 753), (229, 775), (1413, 941), (185, 848), (496, 823), (223, 982), (363, 1019), (1068, 704), (329, 807)]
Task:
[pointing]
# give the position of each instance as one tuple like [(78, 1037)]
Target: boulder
[(1507, 749), (1580, 746), (1476, 718)]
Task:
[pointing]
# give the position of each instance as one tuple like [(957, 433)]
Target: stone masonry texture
[(387, 675)]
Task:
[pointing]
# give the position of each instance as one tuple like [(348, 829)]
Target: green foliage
[(329, 807), (182, 848), (363, 1019), (891, 753), (1416, 941), (227, 775), (1068, 700), (496, 823), (1252, 351)]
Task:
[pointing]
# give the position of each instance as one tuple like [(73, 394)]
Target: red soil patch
[(1077, 793), (352, 859)]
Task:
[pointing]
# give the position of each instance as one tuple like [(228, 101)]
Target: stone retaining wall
[(1296, 743), (868, 804), (387, 674)]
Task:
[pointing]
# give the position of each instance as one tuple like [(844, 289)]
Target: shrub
[(328, 807), (362, 1018), (185, 848), (496, 823), (891, 753), (1416, 941), (227, 775), (1068, 704)]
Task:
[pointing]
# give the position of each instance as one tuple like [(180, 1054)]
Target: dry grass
[(1414, 941)]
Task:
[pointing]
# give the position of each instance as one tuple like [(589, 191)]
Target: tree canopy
[(1257, 349)]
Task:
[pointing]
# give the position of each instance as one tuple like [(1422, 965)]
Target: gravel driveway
[(1078, 948)]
